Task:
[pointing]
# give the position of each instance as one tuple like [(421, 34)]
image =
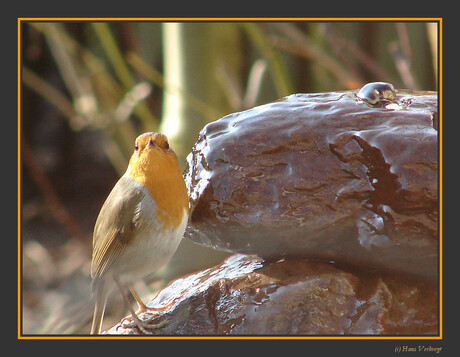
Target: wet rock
[(247, 295), (322, 176)]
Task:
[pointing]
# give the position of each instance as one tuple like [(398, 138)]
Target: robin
[(140, 224)]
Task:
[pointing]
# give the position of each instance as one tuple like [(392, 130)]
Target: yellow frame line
[(255, 19), (227, 337), (425, 19)]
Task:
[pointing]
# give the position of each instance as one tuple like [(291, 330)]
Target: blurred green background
[(89, 88)]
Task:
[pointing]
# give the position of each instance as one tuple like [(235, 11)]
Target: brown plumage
[(140, 224)]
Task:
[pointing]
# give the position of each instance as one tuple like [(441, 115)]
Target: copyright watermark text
[(419, 348)]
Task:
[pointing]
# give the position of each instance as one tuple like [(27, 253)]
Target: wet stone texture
[(321, 176), (331, 206), (246, 295)]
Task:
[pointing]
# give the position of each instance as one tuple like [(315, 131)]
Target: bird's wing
[(115, 226)]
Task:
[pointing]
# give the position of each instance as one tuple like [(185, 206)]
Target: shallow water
[(323, 176)]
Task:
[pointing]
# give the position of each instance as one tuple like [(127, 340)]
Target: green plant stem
[(280, 77), (48, 92), (156, 77), (122, 72), (298, 42), (114, 55)]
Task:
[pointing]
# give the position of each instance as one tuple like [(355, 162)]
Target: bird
[(140, 225)]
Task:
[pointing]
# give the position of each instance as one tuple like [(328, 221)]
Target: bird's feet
[(145, 325)]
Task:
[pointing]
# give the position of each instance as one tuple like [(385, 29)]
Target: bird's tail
[(99, 309)]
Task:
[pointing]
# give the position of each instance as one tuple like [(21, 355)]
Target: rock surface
[(322, 176), (246, 295)]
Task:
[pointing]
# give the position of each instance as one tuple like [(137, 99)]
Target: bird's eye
[(166, 145), (150, 141), (136, 147)]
